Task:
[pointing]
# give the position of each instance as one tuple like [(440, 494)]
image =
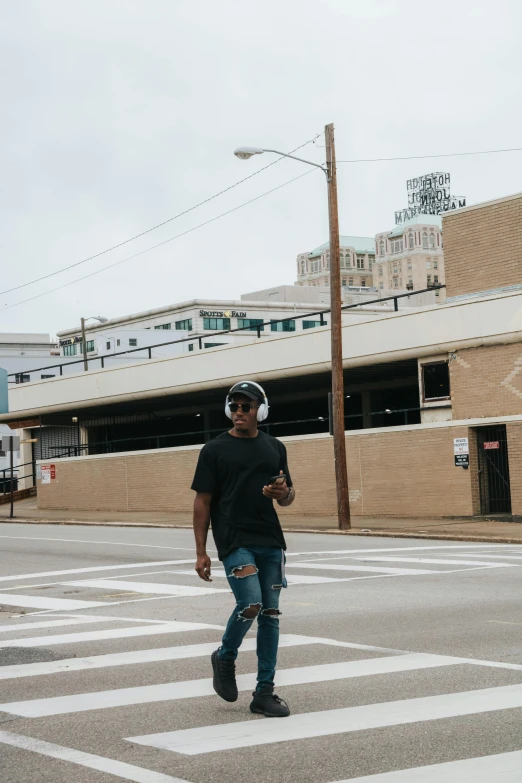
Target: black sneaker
[(224, 677), (266, 703)]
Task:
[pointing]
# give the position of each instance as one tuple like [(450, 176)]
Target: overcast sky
[(119, 114)]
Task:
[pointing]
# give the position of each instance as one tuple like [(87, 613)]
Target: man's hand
[(277, 491), (203, 567)]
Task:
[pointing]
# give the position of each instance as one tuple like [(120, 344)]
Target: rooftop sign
[(429, 195)]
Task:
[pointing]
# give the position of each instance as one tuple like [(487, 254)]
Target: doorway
[(493, 470)]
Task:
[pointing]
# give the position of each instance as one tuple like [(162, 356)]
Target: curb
[(315, 531)]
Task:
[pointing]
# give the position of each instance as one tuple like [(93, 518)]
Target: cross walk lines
[(148, 587), (91, 569), (43, 602), (208, 739), (357, 567), (506, 767), (292, 579), (432, 561), (146, 694), (54, 624), (112, 633)]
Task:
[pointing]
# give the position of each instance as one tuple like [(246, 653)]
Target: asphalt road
[(401, 661)]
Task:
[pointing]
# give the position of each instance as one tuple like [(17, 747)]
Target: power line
[(420, 157), (159, 225), (160, 244)]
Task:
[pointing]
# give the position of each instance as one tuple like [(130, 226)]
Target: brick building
[(428, 391)]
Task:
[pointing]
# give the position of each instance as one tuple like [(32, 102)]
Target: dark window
[(90, 346), (282, 326), (184, 326), (22, 377), (251, 324), (313, 324), (216, 323), (133, 342), (43, 377), (212, 345), (118, 342), (435, 381), (163, 326), (191, 347), (69, 350)]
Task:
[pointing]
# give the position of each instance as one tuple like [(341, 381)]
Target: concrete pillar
[(26, 456)]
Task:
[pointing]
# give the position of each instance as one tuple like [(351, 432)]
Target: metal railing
[(5, 481), (249, 329)]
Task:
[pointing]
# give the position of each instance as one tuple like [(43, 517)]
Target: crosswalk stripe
[(170, 691), (434, 561), (113, 633), (292, 579), (53, 624), (207, 739), (41, 602), (483, 769), (376, 550), (93, 568), (136, 656), (355, 567), (119, 769), (156, 588)]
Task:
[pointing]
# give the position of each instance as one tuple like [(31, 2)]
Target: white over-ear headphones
[(237, 388)]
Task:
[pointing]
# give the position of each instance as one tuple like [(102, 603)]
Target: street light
[(99, 318), (337, 405)]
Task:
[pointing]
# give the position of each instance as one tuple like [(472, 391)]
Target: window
[(212, 345), (163, 326), (251, 324), (435, 264), (435, 381), (282, 326), (90, 346), (372, 261), (191, 347), (360, 262), (432, 240), (381, 285), (350, 281), (44, 377), (108, 345), (380, 271), (327, 281), (133, 342), (409, 264), (23, 377), (313, 324), (424, 239), (436, 279), (343, 281), (363, 282), (428, 281), (118, 342), (185, 325), (398, 246), (410, 241), (69, 350), (381, 248), (216, 323), (428, 264)]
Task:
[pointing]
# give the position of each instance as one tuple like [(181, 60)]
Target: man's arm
[(201, 523), (290, 497)]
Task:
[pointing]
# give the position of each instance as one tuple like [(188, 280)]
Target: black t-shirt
[(235, 470)]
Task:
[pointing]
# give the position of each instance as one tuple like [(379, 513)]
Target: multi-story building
[(410, 257), (357, 260)]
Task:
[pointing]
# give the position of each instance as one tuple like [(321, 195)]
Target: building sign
[(492, 444), (46, 474), (221, 314), (461, 452), (53, 471), (429, 195), (72, 340)]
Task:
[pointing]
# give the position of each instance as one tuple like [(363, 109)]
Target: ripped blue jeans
[(260, 592)]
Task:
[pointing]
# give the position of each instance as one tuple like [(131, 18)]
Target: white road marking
[(111, 767), (207, 739), (41, 602), (147, 587), (494, 556), (104, 543), (483, 769), (434, 561), (113, 633), (292, 579), (52, 624), (94, 568), (170, 691), (136, 656), (376, 569), (401, 549)]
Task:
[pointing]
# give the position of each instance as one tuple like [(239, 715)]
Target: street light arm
[(301, 160)]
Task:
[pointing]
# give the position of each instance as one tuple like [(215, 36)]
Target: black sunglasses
[(246, 407)]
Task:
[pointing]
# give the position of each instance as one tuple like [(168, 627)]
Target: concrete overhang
[(430, 331)]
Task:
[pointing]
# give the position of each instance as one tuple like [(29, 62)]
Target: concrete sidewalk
[(494, 530)]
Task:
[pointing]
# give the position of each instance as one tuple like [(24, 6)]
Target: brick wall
[(486, 381), (514, 438), (408, 472), (483, 246)]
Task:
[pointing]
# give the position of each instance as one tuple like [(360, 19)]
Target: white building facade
[(357, 256)]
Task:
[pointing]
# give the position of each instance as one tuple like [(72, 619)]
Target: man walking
[(239, 475)]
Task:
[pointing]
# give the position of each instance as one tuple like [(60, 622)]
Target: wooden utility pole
[(341, 475)]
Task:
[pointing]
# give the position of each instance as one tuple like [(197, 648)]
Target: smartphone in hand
[(278, 479)]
